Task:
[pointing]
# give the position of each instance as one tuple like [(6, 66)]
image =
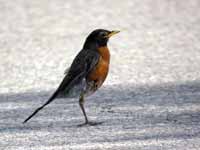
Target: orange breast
[(100, 72)]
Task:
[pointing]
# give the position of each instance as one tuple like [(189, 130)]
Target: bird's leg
[(81, 103)]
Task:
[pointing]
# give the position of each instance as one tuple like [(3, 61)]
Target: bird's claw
[(90, 124)]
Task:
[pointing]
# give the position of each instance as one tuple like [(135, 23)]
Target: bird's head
[(99, 38)]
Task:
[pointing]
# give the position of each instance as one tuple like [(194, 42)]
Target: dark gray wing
[(84, 62)]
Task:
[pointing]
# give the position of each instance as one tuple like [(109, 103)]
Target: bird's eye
[(103, 34)]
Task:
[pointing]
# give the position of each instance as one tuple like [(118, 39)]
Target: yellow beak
[(112, 33)]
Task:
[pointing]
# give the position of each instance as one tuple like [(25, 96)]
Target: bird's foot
[(90, 123)]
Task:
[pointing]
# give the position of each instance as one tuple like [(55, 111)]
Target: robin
[(87, 72)]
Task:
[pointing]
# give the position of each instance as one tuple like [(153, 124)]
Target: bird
[(87, 72)]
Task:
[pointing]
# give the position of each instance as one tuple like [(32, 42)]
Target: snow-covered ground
[(150, 100)]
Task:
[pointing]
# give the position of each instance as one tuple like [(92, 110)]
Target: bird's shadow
[(128, 107)]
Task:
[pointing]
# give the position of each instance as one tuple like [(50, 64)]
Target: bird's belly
[(99, 74)]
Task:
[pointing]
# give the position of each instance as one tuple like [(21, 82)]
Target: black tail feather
[(37, 110)]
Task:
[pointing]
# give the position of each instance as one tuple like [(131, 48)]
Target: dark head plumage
[(98, 38)]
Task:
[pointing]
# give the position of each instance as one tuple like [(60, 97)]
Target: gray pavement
[(150, 99)]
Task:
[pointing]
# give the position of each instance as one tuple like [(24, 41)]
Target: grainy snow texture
[(150, 100)]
